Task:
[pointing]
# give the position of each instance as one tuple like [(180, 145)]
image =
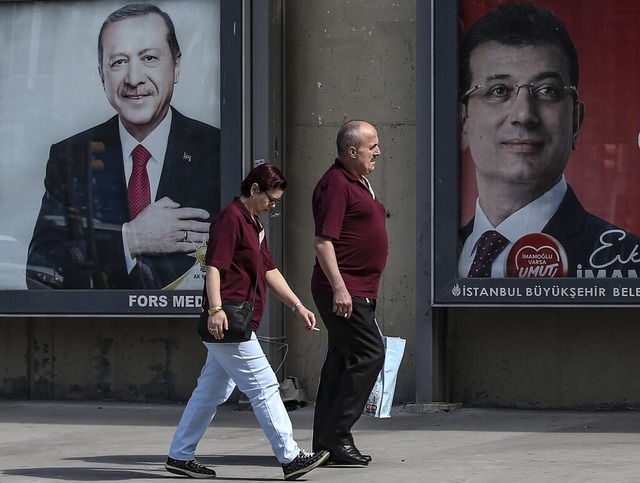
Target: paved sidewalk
[(125, 442)]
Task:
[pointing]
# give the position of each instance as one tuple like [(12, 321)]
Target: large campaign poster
[(575, 242), (63, 248)]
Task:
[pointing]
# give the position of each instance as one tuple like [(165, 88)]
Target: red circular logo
[(537, 255)]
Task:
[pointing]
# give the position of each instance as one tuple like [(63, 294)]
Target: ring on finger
[(186, 236)]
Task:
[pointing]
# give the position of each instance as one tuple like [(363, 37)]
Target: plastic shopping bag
[(381, 397)]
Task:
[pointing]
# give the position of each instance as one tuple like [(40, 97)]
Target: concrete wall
[(544, 357), (122, 359), (352, 60)]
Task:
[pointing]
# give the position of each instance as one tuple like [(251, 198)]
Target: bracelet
[(296, 305), (215, 310)]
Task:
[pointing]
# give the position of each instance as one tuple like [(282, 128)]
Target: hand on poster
[(165, 227)]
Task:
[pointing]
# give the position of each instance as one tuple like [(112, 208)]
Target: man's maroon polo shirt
[(345, 211)]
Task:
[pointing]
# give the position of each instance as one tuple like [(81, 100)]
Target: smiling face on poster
[(139, 67), (69, 128)]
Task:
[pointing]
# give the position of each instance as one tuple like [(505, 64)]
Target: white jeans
[(229, 364)]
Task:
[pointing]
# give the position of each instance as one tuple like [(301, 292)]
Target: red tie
[(139, 189), (491, 243)]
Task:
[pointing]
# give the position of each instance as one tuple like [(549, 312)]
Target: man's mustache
[(136, 92)]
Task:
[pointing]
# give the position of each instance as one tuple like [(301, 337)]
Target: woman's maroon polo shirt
[(233, 248), (345, 211)]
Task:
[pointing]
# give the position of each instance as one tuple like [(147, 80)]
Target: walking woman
[(239, 263)]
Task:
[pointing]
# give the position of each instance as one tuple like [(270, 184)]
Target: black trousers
[(355, 356)]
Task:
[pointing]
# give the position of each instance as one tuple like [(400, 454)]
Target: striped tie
[(139, 189)]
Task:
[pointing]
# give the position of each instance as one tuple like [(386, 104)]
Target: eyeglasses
[(272, 200), (546, 93)]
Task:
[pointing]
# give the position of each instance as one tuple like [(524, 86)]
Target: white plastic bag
[(381, 397)]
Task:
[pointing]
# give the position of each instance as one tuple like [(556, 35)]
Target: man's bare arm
[(326, 253)]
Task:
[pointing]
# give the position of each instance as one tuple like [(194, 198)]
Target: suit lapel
[(109, 187), (568, 221), (181, 161)]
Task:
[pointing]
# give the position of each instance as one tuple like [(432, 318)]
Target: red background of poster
[(605, 167)]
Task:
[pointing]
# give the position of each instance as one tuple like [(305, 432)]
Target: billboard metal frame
[(237, 145), (449, 290)]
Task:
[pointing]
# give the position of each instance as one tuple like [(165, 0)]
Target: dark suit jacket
[(594, 247), (77, 239)]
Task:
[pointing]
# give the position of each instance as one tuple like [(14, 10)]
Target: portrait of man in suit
[(520, 116), (128, 202)]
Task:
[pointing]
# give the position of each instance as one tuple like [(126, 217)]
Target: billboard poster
[(548, 144), (87, 91)]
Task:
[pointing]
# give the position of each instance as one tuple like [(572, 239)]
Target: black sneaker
[(304, 463), (190, 468)]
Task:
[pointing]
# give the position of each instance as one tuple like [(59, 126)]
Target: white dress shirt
[(531, 218), (156, 143)]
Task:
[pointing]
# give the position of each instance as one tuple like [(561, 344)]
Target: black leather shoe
[(332, 461), (365, 456), (348, 454)]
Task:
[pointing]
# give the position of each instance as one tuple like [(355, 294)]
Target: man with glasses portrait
[(520, 115)]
